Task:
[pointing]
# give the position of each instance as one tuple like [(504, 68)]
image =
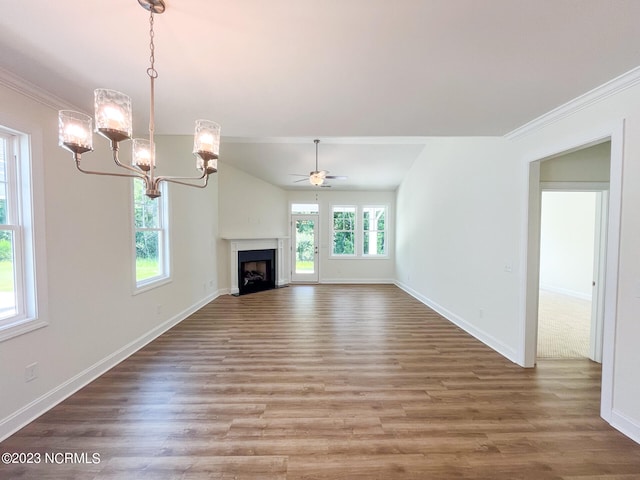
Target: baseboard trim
[(357, 281), (567, 292), (28, 413), (484, 337), (625, 425)]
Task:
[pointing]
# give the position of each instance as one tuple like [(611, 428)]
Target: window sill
[(150, 285), (20, 327)]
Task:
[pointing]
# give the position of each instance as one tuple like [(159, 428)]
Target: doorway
[(304, 234), (613, 134), (572, 241)]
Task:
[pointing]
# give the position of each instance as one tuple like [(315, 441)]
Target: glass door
[(305, 248)]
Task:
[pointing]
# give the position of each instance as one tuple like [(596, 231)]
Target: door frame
[(601, 189), (530, 256), (315, 276)]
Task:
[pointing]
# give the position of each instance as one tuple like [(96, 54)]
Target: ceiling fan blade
[(306, 179), (298, 175), (336, 177)]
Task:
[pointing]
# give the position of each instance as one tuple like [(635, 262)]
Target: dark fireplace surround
[(256, 270)]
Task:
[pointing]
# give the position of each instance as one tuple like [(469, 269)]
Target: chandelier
[(113, 120)]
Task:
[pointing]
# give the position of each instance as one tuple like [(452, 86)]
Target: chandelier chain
[(114, 121), (151, 71), (153, 74)]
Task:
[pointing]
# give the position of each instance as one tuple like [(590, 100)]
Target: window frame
[(385, 232), (25, 216), (164, 277), (354, 231)]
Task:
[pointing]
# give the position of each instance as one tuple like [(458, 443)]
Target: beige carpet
[(564, 325)]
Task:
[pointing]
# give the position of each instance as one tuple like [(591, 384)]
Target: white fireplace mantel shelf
[(257, 243)]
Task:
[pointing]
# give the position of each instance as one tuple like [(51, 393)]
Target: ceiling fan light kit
[(113, 120), (317, 177)]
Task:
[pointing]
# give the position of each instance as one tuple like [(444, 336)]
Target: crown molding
[(34, 92), (598, 94), (331, 140)]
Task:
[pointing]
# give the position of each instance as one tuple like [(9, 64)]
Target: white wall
[(567, 242), (458, 233), (354, 270), (590, 164), (94, 318), (460, 216), (462, 230), (249, 208), (604, 115)]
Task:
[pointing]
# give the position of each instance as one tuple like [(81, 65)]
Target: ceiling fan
[(317, 177)]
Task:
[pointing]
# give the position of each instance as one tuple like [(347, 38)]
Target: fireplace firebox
[(256, 270)]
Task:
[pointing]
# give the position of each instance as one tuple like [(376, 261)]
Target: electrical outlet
[(31, 372), (158, 309), (481, 313)]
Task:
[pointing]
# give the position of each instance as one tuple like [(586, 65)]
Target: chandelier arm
[(167, 178), (180, 182), (117, 161), (113, 121), (108, 174)]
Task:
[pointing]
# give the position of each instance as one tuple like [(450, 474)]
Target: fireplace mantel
[(258, 243)]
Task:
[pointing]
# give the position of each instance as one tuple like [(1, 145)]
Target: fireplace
[(279, 261), (256, 270)]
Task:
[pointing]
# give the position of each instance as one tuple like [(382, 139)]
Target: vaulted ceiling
[(369, 78)]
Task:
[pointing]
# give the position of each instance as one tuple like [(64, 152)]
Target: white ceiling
[(367, 77)]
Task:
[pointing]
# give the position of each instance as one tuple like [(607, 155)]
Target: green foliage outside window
[(148, 233), (374, 231), (6, 249), (305, 240), (344, 224)]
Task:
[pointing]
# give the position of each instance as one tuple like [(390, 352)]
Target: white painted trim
[(238, 244), (358, 281), (35, 257), (42, 404), (489, 340), (613, 130), (566, 291), (332, 140), (138, 287), (304, 277), (574, 186), (32, 91), (599, 268), (625, 425), (598, 94)]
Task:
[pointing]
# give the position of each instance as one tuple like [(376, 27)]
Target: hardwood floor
[(327, 382)]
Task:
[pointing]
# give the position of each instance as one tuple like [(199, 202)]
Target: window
[(305, 208), (344, 230), (18, 303), (150, 236), (10, 271), (374, 234)]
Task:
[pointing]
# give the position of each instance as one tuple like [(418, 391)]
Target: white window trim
[(34, 314), (359, 233), (163, 211), (355, 233), (384, 255)]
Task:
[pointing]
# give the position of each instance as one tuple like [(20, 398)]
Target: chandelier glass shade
[(114, 121)]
